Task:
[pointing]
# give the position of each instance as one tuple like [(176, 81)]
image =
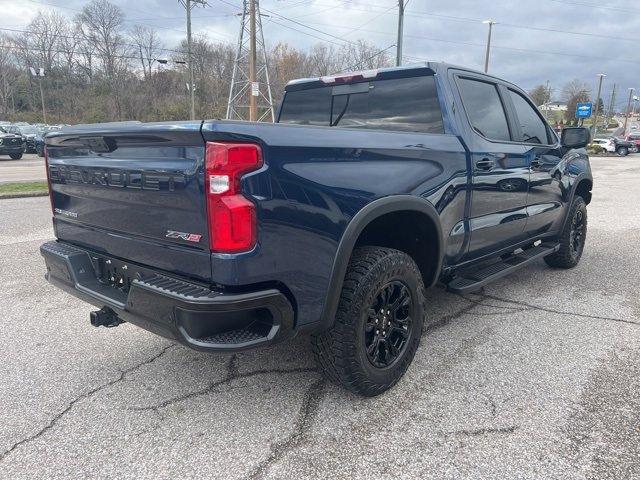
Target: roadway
[(538, 376), (30, 168)]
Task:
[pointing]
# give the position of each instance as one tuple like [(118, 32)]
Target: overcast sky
[(605, 40)]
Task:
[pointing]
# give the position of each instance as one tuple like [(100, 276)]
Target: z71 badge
[(189, 237)]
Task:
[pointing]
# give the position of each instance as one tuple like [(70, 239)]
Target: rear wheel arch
[(366, 228)]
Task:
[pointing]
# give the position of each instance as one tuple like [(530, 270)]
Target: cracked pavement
[(537, 376)]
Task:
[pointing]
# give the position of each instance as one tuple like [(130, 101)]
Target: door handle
[(536, 163), (484, 164)]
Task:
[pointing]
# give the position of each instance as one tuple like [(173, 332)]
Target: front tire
[(622, 151), (15, 156), (572, 238), (378, 324)]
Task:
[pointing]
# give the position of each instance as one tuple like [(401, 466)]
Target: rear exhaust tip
[(105, 317)]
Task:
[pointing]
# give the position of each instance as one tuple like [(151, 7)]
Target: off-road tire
[(568, 256), (15, 156), (340, 352)]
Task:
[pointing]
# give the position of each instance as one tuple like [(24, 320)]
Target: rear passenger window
[(402, 104), (484, 108), (532, 127)]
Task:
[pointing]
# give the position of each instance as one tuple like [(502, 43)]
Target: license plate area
[(115, 273)]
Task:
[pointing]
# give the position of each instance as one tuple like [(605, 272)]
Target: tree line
[(573, 92), (98, 68)]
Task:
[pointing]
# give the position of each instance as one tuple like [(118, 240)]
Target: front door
[(547, 188)]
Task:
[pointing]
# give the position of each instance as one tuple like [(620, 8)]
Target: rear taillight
[(232, 217), (46, 166)]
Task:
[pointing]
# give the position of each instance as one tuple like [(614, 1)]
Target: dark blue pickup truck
[(370, 187)]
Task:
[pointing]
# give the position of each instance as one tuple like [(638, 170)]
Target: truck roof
[(434, 67)]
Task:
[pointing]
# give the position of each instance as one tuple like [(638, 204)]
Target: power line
[(60, 35), (510, 25), (457, 42), (134, 22), (594, 5), (68, 52)]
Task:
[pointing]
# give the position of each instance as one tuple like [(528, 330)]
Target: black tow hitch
[(105, 318)]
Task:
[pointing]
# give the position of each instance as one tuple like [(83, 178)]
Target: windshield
[(28, 130), (2, 130)]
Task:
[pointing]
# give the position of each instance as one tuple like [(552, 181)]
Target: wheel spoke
[(385, 342), (373, 347), (403, 299), (403, 333), (393, 349)]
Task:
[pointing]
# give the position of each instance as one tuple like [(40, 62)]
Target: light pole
[(594, 127), (39, 74), (401, 5), (491, 23), (188, 5), (628, 112)]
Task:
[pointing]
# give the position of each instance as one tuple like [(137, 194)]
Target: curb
[(24, 195)]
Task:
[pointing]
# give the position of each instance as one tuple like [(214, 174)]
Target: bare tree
[(149, 47), (575, 88), (365, 56), (42, 39), (540, 95), (574, 92), (101, 25), (9, 76)]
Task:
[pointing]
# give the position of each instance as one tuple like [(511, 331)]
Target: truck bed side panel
[(314, 184)]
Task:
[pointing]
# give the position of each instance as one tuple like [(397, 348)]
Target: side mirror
[(575, 137)]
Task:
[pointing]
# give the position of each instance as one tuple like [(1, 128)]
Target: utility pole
[(612, 102), (628, 111), (548, 92), (491, 23), (250, 93), (39, 74), (401, 5), (253, 104), (188, 5), (594, 127)]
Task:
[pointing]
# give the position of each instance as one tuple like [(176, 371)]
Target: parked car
[(371, 186), (607, 144), (11, 144), (29, 132), (624, 147), (635, 138)]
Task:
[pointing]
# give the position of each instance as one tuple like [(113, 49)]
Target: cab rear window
[(401, 104)]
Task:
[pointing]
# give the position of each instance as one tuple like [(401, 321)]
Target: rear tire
[(622, 151), (15, 156), (378, 324), (572, 238)]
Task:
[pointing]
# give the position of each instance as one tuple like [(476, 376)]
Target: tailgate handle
[(484, 164)]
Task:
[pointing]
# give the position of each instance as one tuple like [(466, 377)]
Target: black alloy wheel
[(388, 324), (577, 235)]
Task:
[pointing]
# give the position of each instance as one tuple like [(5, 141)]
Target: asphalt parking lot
[(30, 168), (536, 377)]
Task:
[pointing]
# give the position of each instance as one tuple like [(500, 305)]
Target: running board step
[(472, 280)]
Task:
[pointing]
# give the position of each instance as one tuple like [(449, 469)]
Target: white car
[(607, 143)]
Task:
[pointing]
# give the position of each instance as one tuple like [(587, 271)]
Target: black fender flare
[(360, 220), (581, 176)]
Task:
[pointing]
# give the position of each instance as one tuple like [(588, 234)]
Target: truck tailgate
[(133, 191)]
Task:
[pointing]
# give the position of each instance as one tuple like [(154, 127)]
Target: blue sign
[(583, 110)]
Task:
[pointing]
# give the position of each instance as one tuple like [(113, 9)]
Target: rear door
[(133, 191), (500, 171)]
